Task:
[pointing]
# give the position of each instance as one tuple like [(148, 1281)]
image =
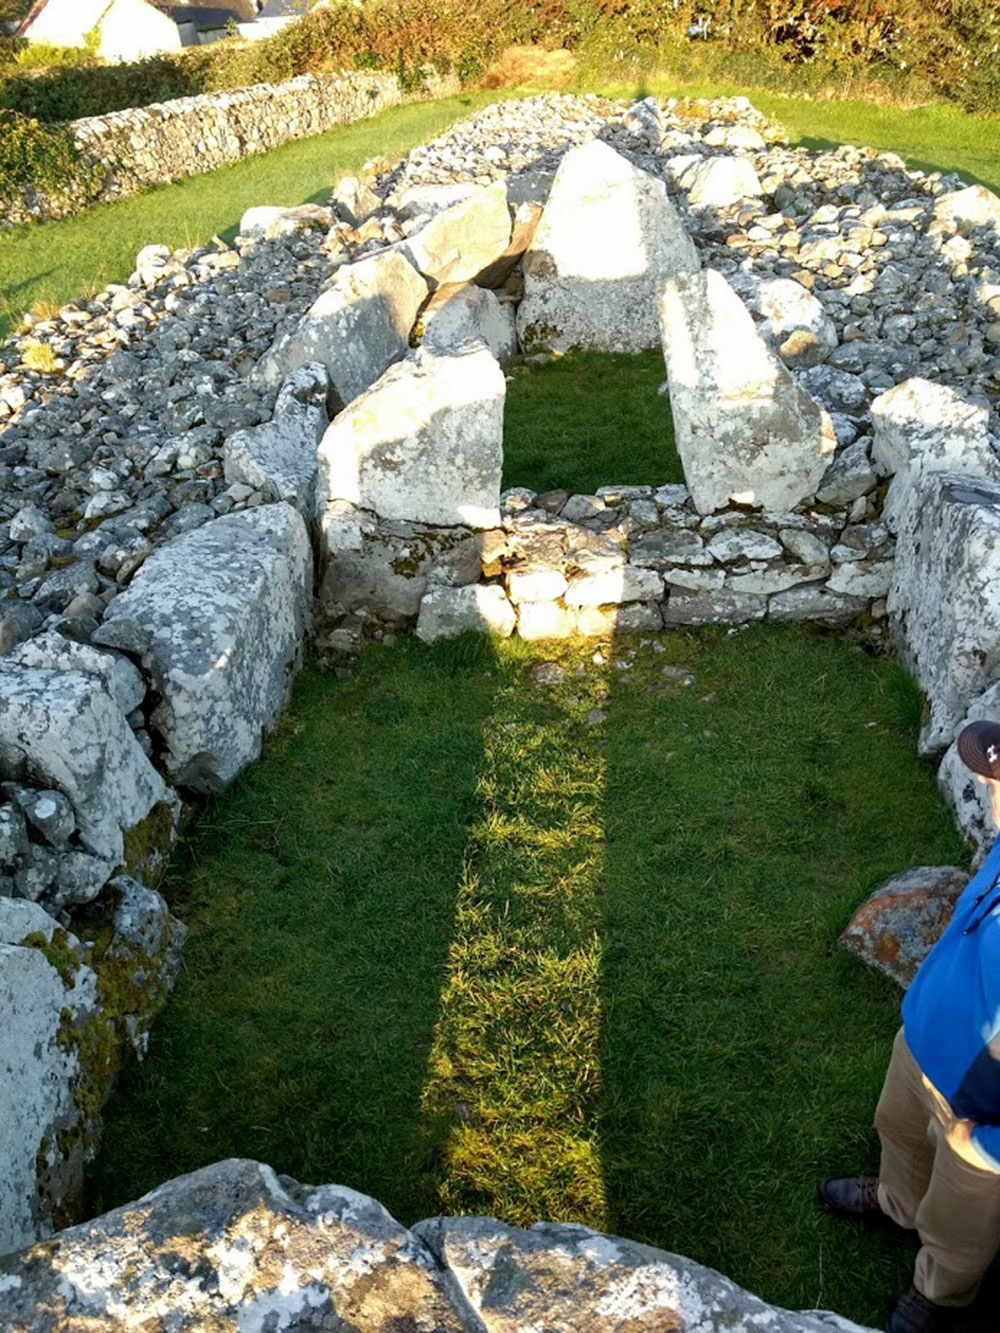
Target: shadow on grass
[(320, 896), (742, 1054)]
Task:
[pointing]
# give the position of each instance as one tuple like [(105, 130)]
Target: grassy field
[(60, 261), (601, 985)]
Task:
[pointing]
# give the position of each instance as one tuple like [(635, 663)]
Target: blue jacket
[(951, 1013)]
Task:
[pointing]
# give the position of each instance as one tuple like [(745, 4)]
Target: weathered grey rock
[(385, 568), (810, 602), (537, 621), (78, 878), (793, 321), (715, 182), (607, 240), (628, 584), (445, 612), (357, 328), (560, 1277), (944, 604), (75, 738), (744, 429), (975, 206), (805, 546), (713, 608), (729, 544), (116, 673), (967, 796), (354, 200), (425, 443), (861, 578), (39, 1067), (49, 812), (924, 427), (262, 1253), (463, 239), (895, 929), (848, 477), (460, 315), (225, 608), (278, 457), (145, 952), (627, 618)]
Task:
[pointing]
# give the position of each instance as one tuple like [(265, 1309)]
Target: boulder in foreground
[(895, 929)]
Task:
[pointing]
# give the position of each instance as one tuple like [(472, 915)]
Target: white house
[(131, 29)]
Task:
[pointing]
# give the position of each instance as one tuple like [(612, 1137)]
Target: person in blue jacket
[(938, 1117)]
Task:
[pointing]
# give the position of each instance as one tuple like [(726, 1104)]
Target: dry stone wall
[(128, 150)]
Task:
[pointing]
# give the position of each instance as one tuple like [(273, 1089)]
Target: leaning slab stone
[(460, 315), (445, 612), (607, 240), (925, 427), (373, 566), (968, 797), (461, 241), (74, 738), (278, 457), (745, 431), (357, 328), (223, 611), (424, 444), (260, 1252), (944, 603), (562, 1277), (895, 929)]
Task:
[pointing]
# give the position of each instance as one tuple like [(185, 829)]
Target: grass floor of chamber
[(471, 942), (589, 419)]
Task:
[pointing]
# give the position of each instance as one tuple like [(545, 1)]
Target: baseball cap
[(979, 748)]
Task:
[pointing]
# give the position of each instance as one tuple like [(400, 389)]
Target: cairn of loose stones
[(186, 457)]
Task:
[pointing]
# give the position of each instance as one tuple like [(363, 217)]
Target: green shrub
[(39, 157)]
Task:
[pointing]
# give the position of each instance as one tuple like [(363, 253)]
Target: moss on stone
[(58, 952), (148, 845)]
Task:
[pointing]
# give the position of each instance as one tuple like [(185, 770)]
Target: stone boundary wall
[(168, 141)]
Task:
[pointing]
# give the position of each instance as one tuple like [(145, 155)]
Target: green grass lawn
[(473, 943), (61, 261), (589, 419)]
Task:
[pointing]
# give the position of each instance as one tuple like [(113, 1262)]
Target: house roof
[(279, 9), (209, 16)]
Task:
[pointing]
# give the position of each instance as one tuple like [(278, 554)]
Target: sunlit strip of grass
[(514, 1071)]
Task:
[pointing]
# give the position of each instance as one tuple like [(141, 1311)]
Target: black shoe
[(851, 1196), (914, 1313)]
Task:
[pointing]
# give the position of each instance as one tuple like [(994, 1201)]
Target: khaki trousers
[(932, 1180)]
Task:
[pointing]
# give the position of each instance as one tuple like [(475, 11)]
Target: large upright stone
[(74, 737), (463, 240), (744, 429), (924, 427), (424, 444), (222, 612), (944, 602), (278, 457), (607, 240), (356, 328)]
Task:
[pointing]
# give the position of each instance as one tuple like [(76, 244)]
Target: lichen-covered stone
[(924, 427), (261, 1252), (424, 444), (895, 929), (563, 1277), (944, 603), (607, 239), (445, 612), (278, 457), (223, 611), (460, 315), (74, 738), (715, 182), (357, 328), (745, 431), (116, 673), (463, 239)]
